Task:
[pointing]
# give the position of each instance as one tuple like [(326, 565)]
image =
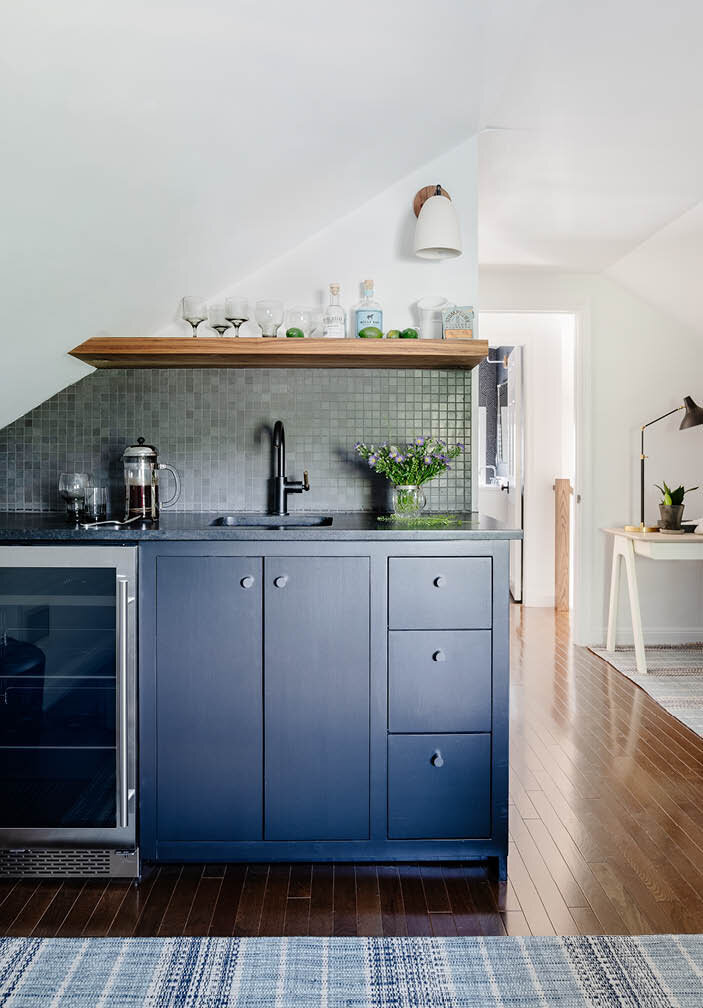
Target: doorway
[(525, 418)]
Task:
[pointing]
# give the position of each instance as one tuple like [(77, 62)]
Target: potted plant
[(671, 506), (409, 467)]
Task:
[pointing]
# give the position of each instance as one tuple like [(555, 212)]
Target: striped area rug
[(674, 678), (646, 972)]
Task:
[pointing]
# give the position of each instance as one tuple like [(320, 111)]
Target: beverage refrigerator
[(68, 761)]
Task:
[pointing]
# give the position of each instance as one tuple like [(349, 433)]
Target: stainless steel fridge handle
[(122, 664)]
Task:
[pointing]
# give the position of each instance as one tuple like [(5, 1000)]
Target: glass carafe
[(141, 477)]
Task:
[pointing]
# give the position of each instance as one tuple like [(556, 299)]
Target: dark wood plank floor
[(606, 827)]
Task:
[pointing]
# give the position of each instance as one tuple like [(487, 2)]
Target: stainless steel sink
[(273, 521)]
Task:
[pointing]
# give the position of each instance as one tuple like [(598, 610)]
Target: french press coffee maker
[(141, 477)]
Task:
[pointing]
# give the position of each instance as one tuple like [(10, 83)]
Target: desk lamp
[(693, 417)]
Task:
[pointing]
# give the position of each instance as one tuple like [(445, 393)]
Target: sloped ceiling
[(154, 149), (157, 149), (667, 270), (599, 142)]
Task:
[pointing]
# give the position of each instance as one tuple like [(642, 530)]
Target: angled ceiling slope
[(158, 149), (595, 142)]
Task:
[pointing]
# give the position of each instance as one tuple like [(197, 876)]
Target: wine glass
[(269, 315), (216, 318), (236, 312), (194, 311), (299, 318), (72, 487)]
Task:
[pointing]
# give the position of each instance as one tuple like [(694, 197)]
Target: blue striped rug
[(646, 972)]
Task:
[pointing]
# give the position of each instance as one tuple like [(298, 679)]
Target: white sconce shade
[(437, 234)]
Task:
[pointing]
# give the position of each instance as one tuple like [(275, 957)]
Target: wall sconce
[(437, 234)]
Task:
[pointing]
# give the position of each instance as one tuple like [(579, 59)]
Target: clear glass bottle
[(368, 312), (333, 321)]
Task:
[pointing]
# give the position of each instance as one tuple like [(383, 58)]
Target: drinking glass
[(72, 487), (299, 318), (237, 312), (95, 503), (216, 318), (269, 315), (194, 311)]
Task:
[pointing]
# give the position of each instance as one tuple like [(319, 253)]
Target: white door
[(516, 460)]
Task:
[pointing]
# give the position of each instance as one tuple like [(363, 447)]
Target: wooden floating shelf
[(250, 352)]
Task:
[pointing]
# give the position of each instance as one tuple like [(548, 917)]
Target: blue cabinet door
[(439, 786), (209, 698), (440, 593), (439, 681), (316, 698)]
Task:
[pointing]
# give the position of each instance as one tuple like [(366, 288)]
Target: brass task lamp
[(693, 417)]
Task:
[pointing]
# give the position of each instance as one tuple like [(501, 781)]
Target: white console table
[(628, 545)]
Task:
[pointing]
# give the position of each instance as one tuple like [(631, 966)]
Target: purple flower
[(372, 460), (460, 446), (427, 460), (400, 458), (420, 441), (357, 446)]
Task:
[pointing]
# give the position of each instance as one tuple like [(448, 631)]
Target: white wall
[(157, 150), (633, 363), (548, 417), (375, 241)]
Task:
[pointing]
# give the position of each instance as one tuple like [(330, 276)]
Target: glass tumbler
[(95, 504)]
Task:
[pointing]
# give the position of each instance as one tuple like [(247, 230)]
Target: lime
[(370, 332), (393, 334), (409, 334), (295, 333)]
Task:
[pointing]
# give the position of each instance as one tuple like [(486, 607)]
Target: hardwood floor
[(606, 827)]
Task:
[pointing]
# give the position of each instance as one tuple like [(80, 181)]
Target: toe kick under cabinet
[(324, 700)]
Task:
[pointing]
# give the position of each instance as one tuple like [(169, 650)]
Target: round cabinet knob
[(247, 582), (440, 581), (439, 656), (436, 759), (282, 581)]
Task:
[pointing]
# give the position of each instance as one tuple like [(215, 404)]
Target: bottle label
[(333, 324), (332, 328), (368, 317)]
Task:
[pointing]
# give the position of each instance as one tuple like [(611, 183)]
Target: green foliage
[(423, 521), (670, 496), (415, 464)]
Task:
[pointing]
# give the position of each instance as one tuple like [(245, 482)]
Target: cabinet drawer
[(439, 681), (443, 593), (439, 786)]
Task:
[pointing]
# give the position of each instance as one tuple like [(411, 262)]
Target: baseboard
[(652, 635)]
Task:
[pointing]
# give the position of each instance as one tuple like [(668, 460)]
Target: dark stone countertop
[(30, 526)]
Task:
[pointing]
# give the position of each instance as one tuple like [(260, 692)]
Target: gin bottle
[(333, 319), (368, 312)]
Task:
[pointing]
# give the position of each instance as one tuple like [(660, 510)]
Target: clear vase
[(408, 500)]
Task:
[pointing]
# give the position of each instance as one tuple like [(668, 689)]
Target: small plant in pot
[(671, 506)]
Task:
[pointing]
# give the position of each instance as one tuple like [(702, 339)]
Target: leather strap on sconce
[(422, 195)]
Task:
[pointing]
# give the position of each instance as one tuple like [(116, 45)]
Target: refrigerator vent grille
[(61, 862)]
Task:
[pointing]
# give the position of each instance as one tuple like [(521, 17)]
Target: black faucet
[(282, 486)]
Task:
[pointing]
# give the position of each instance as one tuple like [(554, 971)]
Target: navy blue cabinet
[(208, 698), (445, 592), (316, 648), (439, 681), (324, 700), (439, 786)]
